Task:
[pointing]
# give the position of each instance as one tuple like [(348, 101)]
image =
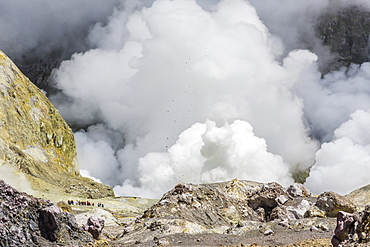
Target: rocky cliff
[(36, 140), (346, 32)]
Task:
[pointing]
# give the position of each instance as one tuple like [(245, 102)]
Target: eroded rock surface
[(218, 204), (346, 32), (237, 208), (352, 229), (331, 203), (360, 196), (94, 226), (29, 221)]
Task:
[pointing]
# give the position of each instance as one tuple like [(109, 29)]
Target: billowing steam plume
[(198, 91)]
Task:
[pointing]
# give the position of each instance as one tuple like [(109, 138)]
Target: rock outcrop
[(360, 196), (214, 205), (36, 140), (331, 203), (29, 221), (346, 32), (237, 208), (352, 229), (94, 226), (231, 203)]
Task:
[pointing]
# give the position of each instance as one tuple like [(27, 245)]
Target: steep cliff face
[(346, 32), (35, 138)]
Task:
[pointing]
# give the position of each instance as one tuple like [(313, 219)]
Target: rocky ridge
[(233, 213), (36, 140)]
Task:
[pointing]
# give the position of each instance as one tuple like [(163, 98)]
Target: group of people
[(84, 203)]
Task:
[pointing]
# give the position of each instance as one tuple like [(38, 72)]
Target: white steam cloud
[(345, 159), (181, 65), (206, 91), (207, 153), (16, 179)]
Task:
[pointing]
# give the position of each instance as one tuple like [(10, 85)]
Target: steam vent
[(35, 141)]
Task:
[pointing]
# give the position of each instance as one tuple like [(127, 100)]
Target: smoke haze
[(203, 91)]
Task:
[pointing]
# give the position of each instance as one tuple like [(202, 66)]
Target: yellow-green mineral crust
[(36, 140)]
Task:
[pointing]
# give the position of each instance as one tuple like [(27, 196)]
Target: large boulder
[(29, 221), (269, 197), (295, 209), (345, 226), (94, 225), (331, 203), (352, 229), (298, 189), (35, 139), (109, 219)]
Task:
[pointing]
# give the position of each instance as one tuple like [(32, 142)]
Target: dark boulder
[(345, 226), (352, 229)]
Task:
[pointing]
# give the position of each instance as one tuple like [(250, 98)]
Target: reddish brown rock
[(345, 224), (94, 226)]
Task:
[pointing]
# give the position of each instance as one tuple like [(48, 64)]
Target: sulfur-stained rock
[(209, 205), (360, 196), (314, 211), (64, 206), (35, 139), (331, 203)]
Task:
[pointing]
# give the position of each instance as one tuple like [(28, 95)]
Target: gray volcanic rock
[(345, 225), (29, 221), (232, 203), (331, 203), (213, 205), (224, 210), (94, 226), (346, 32), (297, 189)]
